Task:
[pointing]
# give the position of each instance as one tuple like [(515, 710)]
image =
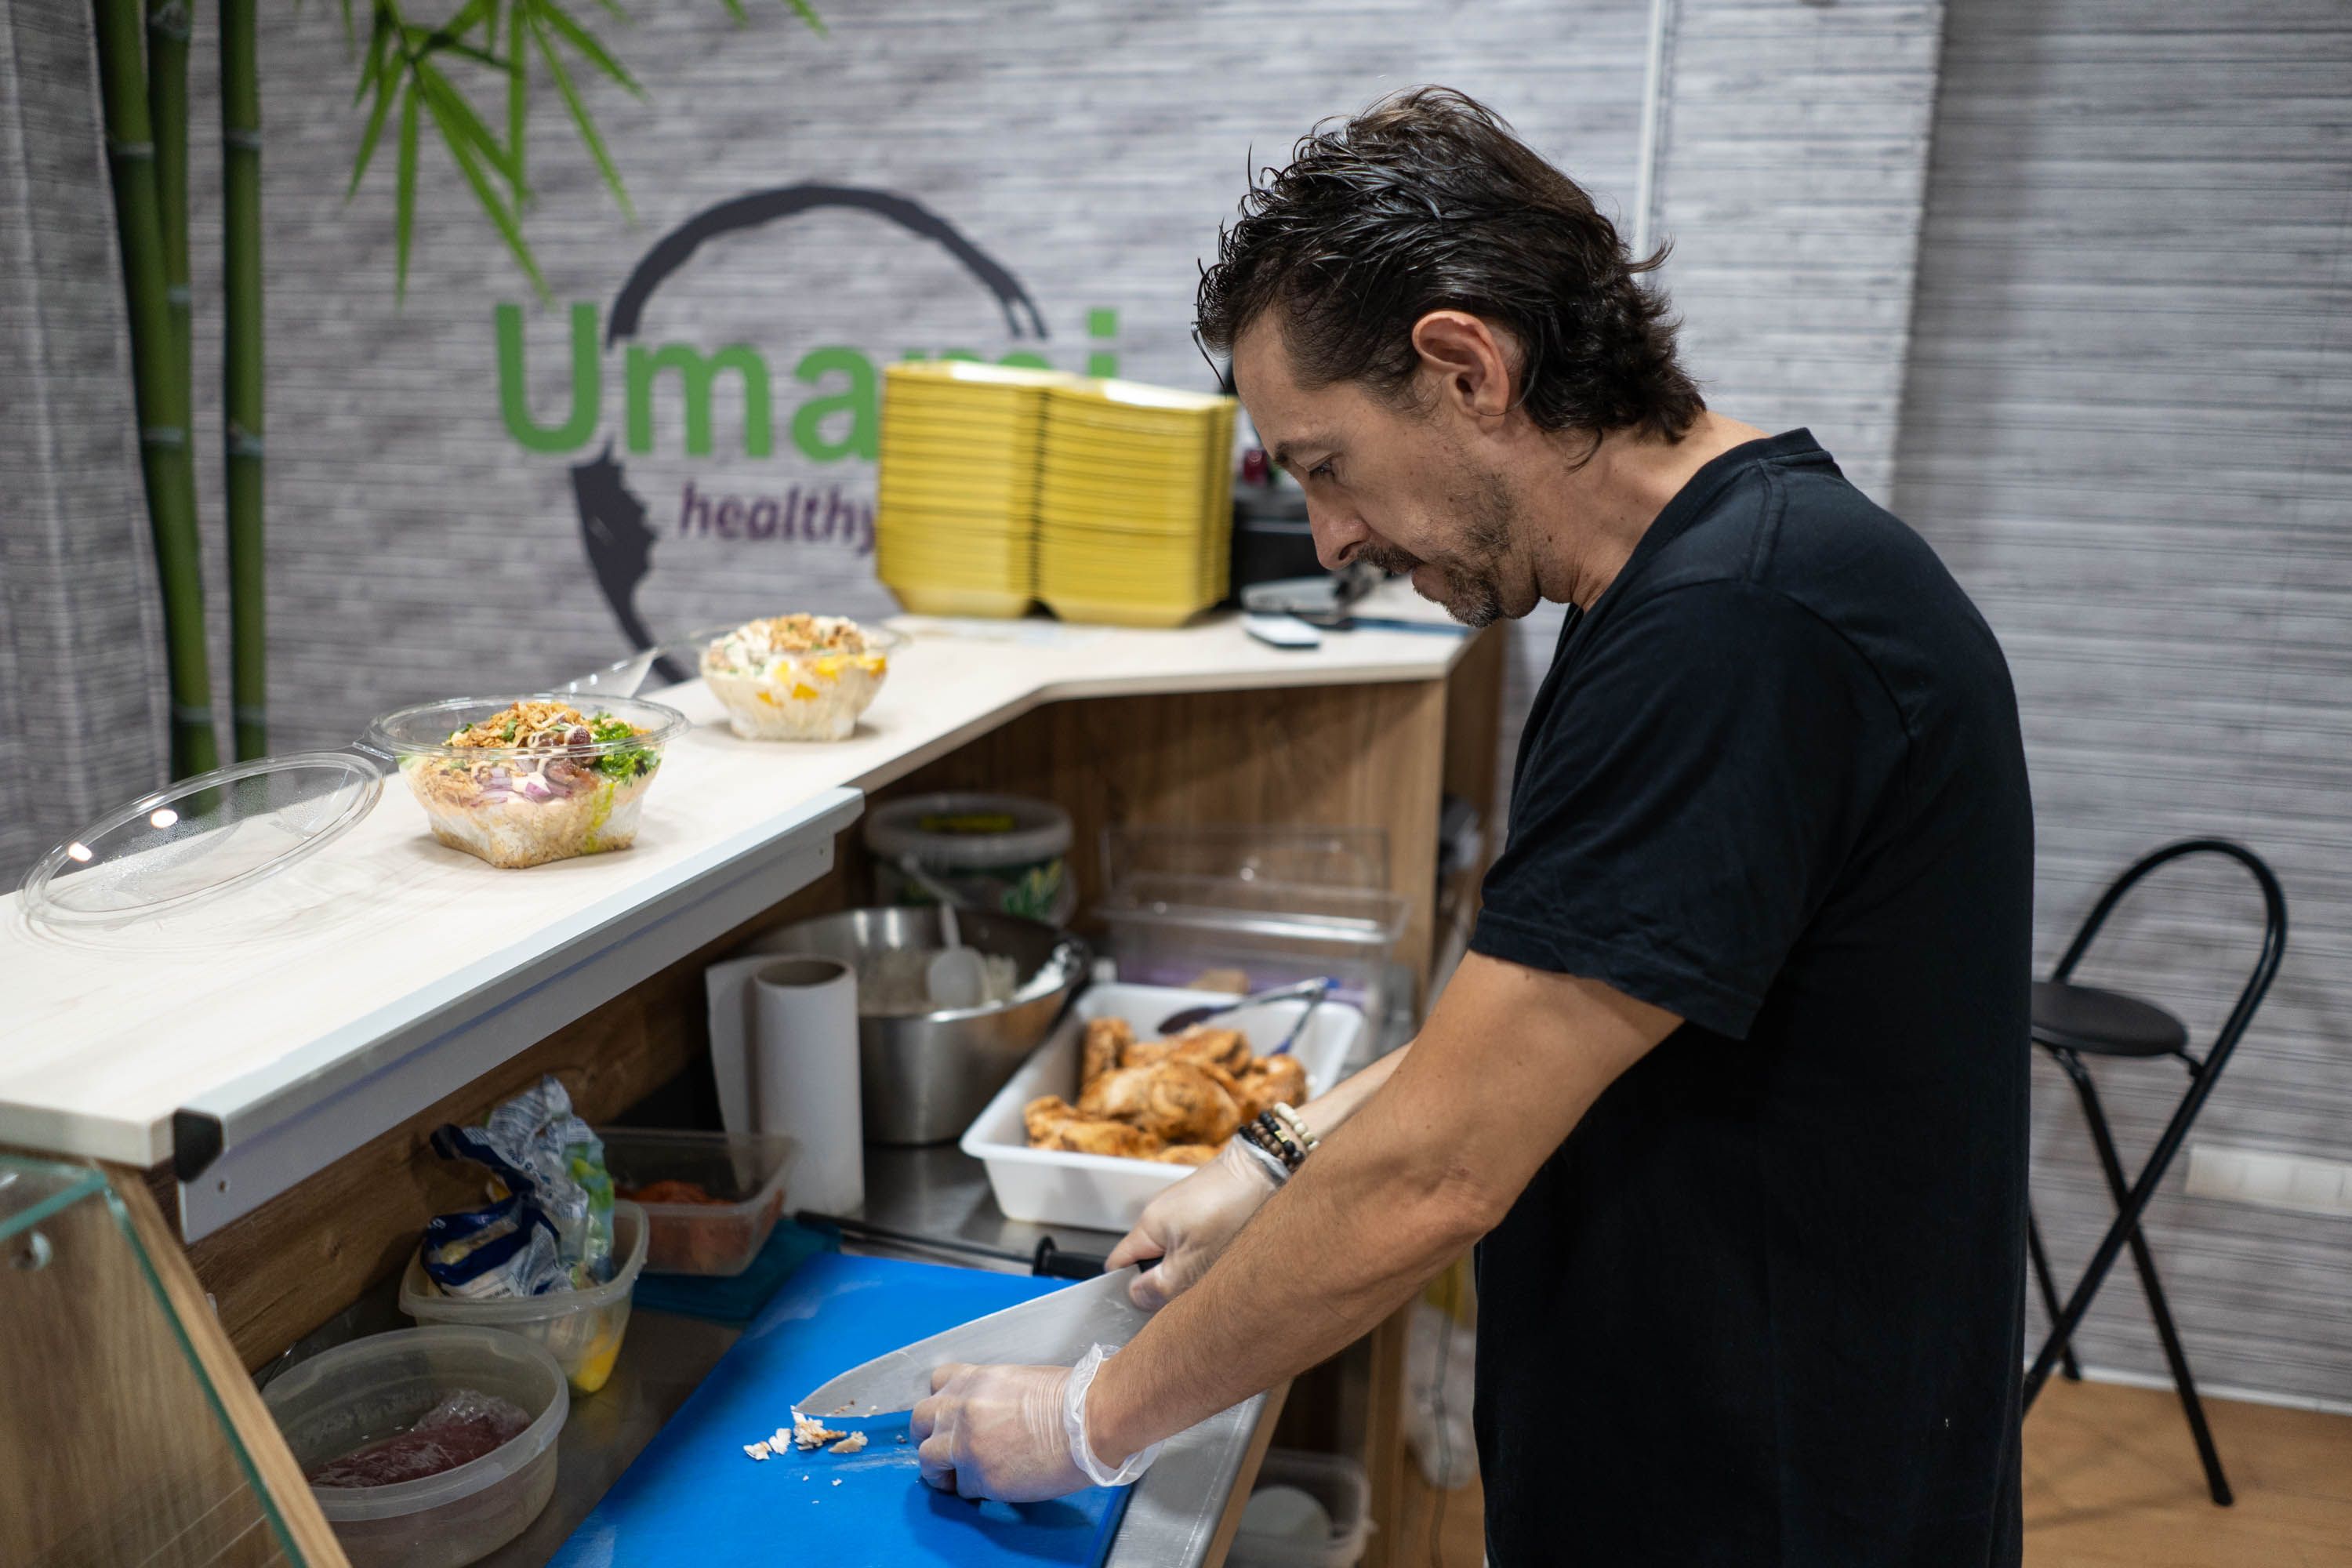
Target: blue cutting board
[(692, 1499)]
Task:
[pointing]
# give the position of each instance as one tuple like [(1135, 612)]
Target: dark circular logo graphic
[(613, 518)]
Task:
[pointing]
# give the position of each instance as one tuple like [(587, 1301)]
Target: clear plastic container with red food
[(426, 1447), (711, 1198)]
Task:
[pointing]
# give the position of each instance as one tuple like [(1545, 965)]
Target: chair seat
[(2102, 1023)]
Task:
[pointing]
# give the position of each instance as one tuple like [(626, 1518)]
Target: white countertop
[(337, 980)]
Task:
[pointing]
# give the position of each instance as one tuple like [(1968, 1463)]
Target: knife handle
[(1051, 1262)]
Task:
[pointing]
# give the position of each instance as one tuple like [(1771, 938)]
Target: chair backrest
[(2273, 931)]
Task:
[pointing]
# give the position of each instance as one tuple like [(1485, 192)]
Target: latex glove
[(996, 1432), (1188, 1226)]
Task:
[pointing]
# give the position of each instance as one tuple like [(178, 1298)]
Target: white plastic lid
[(968, 832)]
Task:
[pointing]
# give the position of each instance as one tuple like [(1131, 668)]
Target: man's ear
[(1465, 361)]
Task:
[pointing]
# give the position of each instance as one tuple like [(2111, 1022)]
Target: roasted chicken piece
[(1176, 1100), (1187, 1154), (1221, 1047), (1269, 1080), (1053, 1124), (1107, 1044)]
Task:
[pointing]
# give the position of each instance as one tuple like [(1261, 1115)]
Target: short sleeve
[(1698, 781)]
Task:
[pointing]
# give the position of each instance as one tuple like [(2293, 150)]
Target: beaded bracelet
[(1275, 1136), (1290, 1118), (1254, 1136)]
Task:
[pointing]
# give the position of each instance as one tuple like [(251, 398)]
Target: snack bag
[(506, 1249), (553, 1163)]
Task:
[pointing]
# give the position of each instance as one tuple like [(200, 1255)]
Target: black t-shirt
[(1766, 1304)]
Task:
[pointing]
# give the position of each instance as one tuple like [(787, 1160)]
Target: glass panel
[(113, 1449)]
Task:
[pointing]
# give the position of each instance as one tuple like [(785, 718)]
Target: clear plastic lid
[(523, 729), (227, 830), (201, 838)]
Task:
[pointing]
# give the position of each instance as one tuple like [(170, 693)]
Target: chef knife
[(1053, 1330)]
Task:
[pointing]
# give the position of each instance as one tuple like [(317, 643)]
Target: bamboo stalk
[(242, 373), (167, 116), (165, 461)]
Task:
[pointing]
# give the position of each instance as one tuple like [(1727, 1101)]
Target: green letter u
[(587, 384)]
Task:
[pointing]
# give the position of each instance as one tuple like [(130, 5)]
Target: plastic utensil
[(622, 677), (957, 976), (1314, 990)]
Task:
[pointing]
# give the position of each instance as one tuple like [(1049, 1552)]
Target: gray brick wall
[(80, 645), (417, 550), (2124, 429)]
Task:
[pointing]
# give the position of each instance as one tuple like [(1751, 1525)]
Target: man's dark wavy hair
[(1425, 202)]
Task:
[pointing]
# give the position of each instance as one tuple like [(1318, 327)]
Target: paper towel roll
[(804, 1072)]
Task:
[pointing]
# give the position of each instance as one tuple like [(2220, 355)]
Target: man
[(1730, 1091)]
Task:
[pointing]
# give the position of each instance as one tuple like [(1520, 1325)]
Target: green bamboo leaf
[(468, 17), (518, 95), (385, 74), (580, 118), (550, 15), (735, 9), (373, 70), (808, 13), (449, 108), (403, 218), (350, 28), (459, 141), (423, 41)]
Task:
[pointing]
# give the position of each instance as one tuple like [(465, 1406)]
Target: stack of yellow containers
[(955, 533), (1110, 500), (1134, 503)]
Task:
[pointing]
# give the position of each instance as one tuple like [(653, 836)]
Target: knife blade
[(1053, 1330)]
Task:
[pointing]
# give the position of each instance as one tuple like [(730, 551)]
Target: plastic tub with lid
[(1224, 933), (743, 1172), (1307, 1510), (1002, 853), (581, 1328), (347, 1397)]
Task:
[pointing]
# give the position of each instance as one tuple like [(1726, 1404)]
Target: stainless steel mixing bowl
[(924, 1077)]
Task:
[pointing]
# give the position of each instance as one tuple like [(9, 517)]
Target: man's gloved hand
[(996, 1432), (1188, 1226), (1016, 1434)]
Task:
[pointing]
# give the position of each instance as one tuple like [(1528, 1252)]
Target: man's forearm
[(1327, 1112), (1367, 1221), (1436, 1150)]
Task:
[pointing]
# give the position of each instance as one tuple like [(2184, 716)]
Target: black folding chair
[(2073, 1021)]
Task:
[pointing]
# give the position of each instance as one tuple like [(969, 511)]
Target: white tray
[(1102, 1192)]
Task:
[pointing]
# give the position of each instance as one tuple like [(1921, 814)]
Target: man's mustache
[(1388, 558)]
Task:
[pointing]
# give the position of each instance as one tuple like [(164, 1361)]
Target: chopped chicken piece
[(1176, 1101), (1053, 1124), (849, 1445), (1226, 1048), (808, 1431), (1107, 1043), (1269, 1080), (757, 1450)]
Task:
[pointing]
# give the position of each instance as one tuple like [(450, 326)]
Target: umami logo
[(822, 405)]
